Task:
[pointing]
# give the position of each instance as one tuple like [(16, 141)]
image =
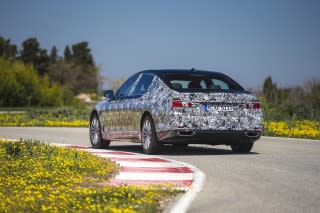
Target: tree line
[(76, 69), (291, 103), (34, 76)]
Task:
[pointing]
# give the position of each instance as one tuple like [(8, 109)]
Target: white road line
[(115, 156), (154, 176), (148, 164), (110, 155)]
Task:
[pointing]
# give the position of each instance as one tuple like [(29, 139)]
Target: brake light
[(254, 105), (177, 103)]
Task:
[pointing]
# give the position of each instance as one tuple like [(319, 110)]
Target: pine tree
[(67, 54), (30, 51), (82, 54), (7, 50), (53, 55), (270, 90)]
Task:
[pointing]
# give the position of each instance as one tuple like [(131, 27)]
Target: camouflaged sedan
[(178, 107)]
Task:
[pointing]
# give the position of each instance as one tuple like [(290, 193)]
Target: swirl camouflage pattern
[(178, 107)]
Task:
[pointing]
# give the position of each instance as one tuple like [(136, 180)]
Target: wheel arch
[(144, 114), (94, 112), (148, 113), (154, 146)]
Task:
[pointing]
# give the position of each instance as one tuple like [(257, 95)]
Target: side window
[(124, 90), (143, 84)]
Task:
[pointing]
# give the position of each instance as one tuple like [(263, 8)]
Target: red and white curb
[(139, 169)]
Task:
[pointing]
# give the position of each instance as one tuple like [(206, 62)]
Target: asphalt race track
[(279, 175)]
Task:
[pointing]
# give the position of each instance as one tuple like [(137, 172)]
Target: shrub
[(20, 85)]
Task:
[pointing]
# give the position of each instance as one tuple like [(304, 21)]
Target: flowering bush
[(297, 129), (36, 177)]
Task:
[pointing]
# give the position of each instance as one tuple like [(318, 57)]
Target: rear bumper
[(213, 137)]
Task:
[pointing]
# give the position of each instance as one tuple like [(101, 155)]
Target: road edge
[(184, 202)]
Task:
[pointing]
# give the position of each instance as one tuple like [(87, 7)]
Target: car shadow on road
[(189, 150)]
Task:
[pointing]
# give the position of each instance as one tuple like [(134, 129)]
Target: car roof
[(165, 71)]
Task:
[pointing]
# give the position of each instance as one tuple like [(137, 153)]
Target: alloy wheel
[(146, 134), (95, 131)]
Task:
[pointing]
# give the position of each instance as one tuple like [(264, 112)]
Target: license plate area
[(218, 108)]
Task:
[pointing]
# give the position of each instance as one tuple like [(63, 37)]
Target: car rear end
[(208, 108)]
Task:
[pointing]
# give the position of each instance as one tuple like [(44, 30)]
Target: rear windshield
[(196, 82)]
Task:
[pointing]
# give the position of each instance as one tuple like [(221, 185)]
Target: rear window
[(207, 82)]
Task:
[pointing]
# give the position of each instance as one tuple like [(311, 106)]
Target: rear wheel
[(242, 148), (95, 133), (149, 141)]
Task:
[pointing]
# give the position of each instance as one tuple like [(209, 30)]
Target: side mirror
[(108, 93)]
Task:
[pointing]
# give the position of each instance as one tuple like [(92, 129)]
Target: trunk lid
[(220, 111)]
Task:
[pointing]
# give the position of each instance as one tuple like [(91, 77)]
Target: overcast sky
[(247, 40)]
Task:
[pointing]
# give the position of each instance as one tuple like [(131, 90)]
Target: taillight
[(254, 105), (177, 103)]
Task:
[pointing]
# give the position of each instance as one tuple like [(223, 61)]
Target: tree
[(7, 50), (67, 54), (30, 51), (82, 54), (77, 77), (81, 72), (65, 74), (53, 55), (270, 90), (42, 62)]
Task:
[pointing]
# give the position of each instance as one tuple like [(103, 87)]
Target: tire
[(149, 141), (242, 148), (96, 139)]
